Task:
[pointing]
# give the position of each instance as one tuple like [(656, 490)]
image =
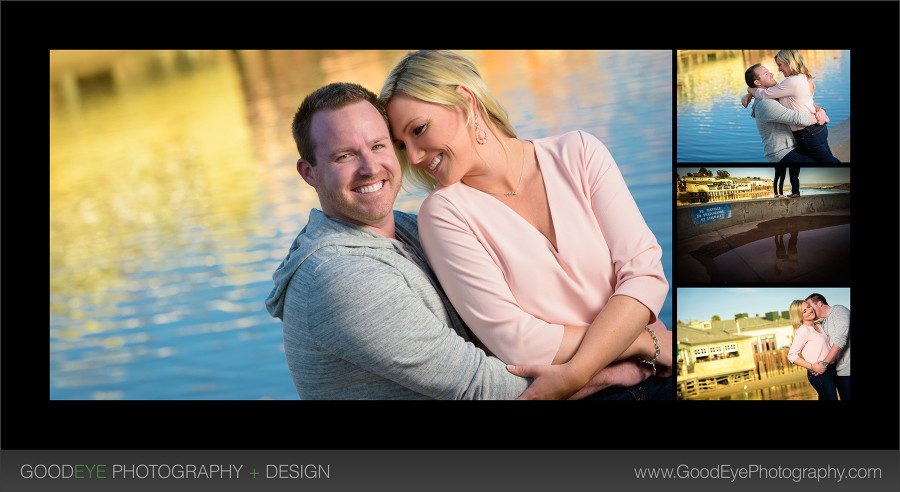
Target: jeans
[(792, 157), (794, 173), (779, 177), (653, 388), (825, 384), (812, 141), (843, 387)]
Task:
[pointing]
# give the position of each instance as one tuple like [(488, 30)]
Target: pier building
[(715, 355), (705, 189)]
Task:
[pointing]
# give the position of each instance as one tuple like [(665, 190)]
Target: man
[(772, 120), (363, 315), (837, 327)]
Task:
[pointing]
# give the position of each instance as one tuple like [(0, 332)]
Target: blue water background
[(173, 198), (711, 124)]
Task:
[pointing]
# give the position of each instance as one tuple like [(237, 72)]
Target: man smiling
[(363, 315)]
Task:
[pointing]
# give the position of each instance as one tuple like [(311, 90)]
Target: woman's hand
[(745, 101), (551, 382)]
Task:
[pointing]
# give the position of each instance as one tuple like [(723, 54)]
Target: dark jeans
[(843, 387), (794, 173), (794, 156), (779, 177), (653, 388), (812, 141), (825, 384)]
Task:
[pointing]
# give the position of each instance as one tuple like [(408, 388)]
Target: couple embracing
[(822, 348), (792, 127), (528, 272)]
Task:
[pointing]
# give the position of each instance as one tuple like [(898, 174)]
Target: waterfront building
[(704, 189), (714, 354)]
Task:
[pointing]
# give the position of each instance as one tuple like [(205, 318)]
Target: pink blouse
[(809, 343), (793, 93), (507, 281)]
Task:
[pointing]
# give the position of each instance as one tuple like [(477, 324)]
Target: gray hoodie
[(364, 318), (772, 120)]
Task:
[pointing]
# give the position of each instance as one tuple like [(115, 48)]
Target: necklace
[(516, 191)]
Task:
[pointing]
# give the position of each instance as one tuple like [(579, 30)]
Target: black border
[(31, 421)]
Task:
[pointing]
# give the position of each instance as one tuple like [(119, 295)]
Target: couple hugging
[(822, 348), (792, 127), (528, 272)]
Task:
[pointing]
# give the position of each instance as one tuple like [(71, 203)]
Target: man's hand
[(821, 117), (551, 382), (817, 368), (620, 374), (745, 101)]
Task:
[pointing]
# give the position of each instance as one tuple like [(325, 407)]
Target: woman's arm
[(794, 86), (618, 331)]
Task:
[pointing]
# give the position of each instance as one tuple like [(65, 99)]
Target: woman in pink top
[(795, 92), (811, 345), (538, 244)]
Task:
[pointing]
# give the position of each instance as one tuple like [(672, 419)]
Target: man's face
[(357, 175), (766, 78)]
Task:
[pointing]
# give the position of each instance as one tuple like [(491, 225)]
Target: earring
[(480, 134)]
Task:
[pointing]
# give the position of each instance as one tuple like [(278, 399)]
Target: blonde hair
[(794, 59), (433, 76), (796, 311)]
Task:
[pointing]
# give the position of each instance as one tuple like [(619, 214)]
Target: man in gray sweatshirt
[(363, 315), (837, 326)]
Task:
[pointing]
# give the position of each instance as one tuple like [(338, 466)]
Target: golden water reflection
[(702, 76)]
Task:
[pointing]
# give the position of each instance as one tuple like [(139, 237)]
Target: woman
[(796, 92), (538, 244), (810, 346)]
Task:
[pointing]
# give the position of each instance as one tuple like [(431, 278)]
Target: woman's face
[(807, 312), (434, 137), (784, 68)]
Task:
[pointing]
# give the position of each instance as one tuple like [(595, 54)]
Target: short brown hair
[(332, 96), (817, 298), (750, 76)]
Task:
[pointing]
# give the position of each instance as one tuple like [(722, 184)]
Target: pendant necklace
[(516, 192)]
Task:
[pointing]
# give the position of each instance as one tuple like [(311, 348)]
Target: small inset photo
[(779, 343), (762, 225), (785, 106)]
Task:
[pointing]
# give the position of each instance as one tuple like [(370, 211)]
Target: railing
[(773, 363)]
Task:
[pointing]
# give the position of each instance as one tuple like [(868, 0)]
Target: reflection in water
[(788, 256), (174, 196), (748, 256), (712, 126), (793, 391)]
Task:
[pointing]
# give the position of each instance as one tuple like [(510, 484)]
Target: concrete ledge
[(839, 140), (743, 211)]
